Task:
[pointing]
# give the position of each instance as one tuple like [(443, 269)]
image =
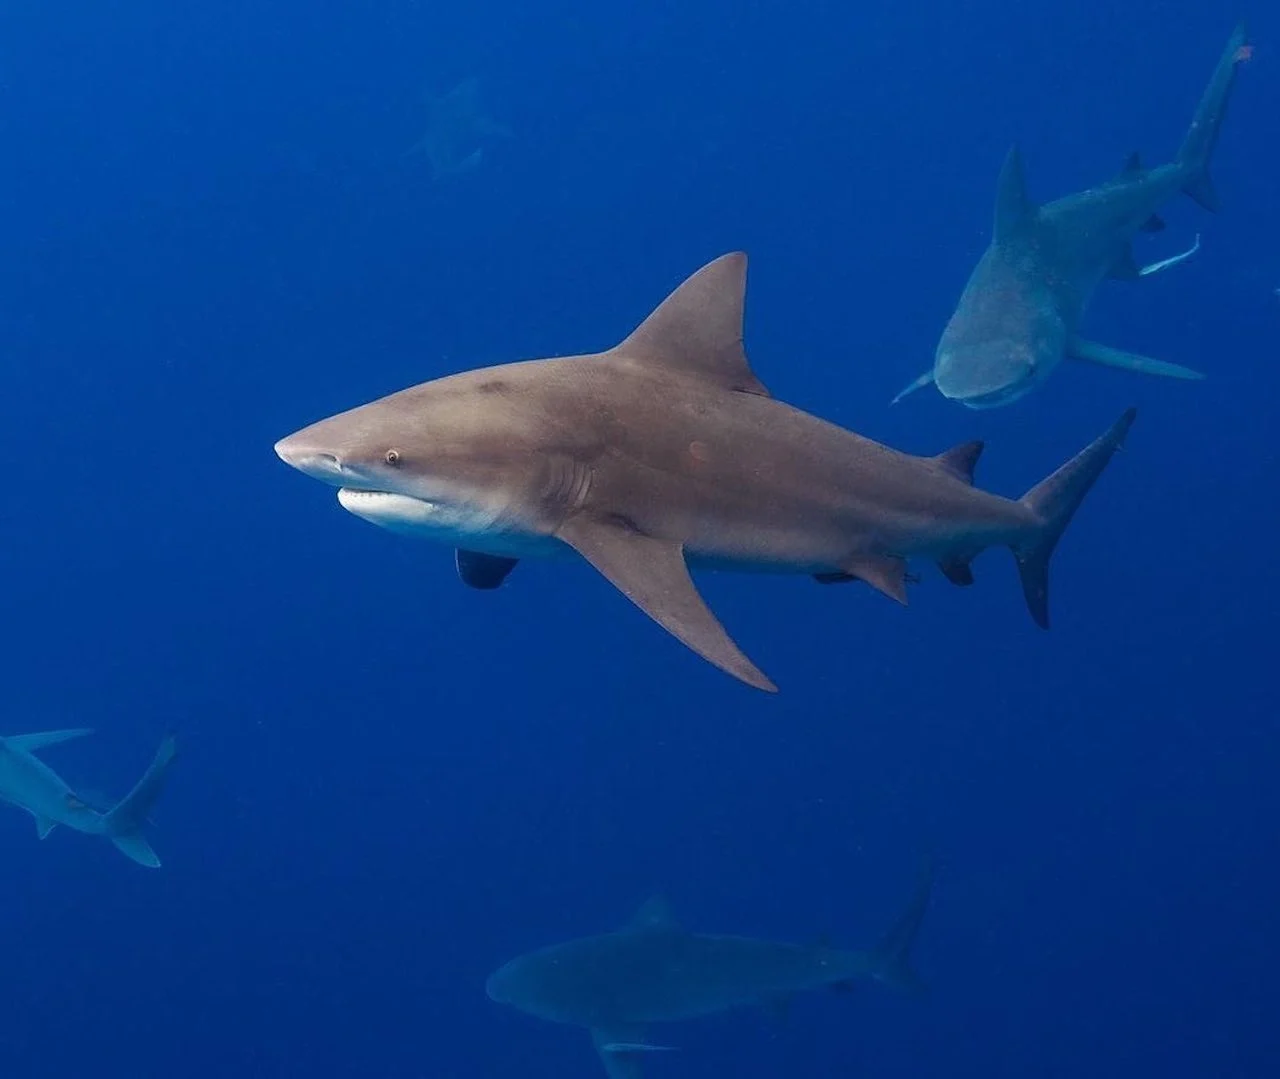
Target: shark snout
[(309, 460), (988, 375)]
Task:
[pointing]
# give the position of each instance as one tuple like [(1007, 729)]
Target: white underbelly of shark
[(488, 532)]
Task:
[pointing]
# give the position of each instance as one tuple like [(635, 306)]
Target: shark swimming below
[(30, 784), (1019, 314), (666, 451), (653, 971)]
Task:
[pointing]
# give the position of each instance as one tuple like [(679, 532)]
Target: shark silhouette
[(30, 784), (457, 130), (654, 971), (1018, 316)]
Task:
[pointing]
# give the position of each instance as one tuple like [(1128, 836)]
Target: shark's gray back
[(1086, 235)]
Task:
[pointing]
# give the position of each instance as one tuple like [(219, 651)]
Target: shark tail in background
[(890, 959), (1055, 500), (124, 822), (1202, 136)]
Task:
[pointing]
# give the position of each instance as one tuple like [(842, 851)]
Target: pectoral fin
[(1080, 349), (651, 572), (621, 1049), (919, 384), (31, 742), (44, 826)]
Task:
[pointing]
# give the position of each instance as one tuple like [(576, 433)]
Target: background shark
[(1019, 313), (654, 971), (668, 451), (457, 129), (30, 784)]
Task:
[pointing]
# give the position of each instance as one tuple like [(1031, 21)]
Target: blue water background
[(211, 235)]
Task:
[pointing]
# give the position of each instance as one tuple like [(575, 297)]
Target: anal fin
[(957, 571), (652, 573), (1080, 349)]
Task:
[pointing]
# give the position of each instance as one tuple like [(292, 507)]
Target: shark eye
[(393, 457)]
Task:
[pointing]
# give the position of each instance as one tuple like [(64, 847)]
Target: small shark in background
[(666, 452), (30, 784), (653, 971), (1019, 313), (457, 128)]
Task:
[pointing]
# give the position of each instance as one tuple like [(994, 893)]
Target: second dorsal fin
[(960, 460), (697, 330)]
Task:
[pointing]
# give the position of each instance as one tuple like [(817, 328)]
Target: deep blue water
[(389, 784)]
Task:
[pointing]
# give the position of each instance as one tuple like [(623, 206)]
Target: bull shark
[(664, 452), (1019, 314), (654, 971), (30, 784)]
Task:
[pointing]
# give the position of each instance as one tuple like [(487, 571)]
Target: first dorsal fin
[(1014, 209), (1132, 164), (698, 328), (960, 460)]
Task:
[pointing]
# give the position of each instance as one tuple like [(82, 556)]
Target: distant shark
[(457, 129), (30, 784), (667, 451), (1019, 313), (653, 971)]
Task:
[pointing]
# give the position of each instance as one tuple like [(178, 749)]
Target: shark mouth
[(389, 509), (454, 522)]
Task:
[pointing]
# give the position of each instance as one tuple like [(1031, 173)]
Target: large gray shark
[(667, 451), (653, 971), (1019, 313), (30, 784)]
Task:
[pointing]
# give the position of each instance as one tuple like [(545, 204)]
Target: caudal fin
[(1202, 135), (1054, 501), (891, 957), (124, 822)]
